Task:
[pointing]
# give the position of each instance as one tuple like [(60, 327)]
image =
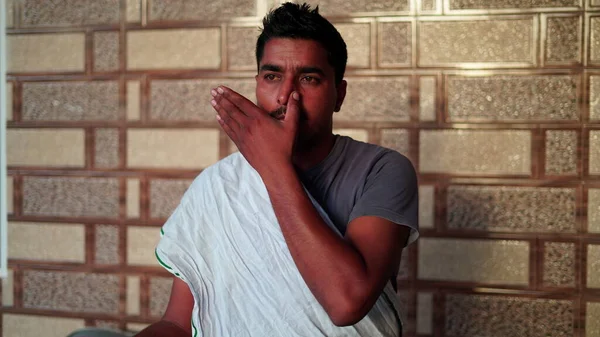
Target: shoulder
[(376, 156), (226, 169), (231, 161)]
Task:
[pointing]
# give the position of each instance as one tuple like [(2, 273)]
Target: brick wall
[(496, 102)]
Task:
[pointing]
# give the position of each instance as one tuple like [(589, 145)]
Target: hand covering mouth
[(279, 113)]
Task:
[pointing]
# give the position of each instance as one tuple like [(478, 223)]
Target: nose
[(285, 90)]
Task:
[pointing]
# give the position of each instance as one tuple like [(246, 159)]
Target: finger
[(242, 103), (292, 115), (224, 118), (230, 133), (234, 112)]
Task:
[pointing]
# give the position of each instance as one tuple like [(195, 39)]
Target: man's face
[(298, 65)]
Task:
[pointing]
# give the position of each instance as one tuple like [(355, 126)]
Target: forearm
[(163, 329), (331, 267)]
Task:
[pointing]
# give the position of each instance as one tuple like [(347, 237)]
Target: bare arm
[(356, 268), (176, 320)]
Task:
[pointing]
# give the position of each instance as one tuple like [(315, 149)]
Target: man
[(301, 232)]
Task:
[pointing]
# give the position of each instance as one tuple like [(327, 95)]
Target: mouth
[(279, 113)]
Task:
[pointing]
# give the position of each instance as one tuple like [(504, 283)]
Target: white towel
[(224, 241)]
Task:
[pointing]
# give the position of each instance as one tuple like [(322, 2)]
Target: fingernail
[(213, 93), (295, 95), (213, 102), (220, 90)]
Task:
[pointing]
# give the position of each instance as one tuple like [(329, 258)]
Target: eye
[(310, 79), (271, 77)]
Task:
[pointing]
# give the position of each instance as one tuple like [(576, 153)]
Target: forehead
[(294, 52)]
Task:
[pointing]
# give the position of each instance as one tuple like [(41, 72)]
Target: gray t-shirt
[(360, 179)]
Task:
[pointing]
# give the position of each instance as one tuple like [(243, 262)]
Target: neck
[(310, 154)]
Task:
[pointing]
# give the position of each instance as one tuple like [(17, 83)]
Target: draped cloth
[(224, 241)]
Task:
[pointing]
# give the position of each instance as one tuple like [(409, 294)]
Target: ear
[(341, 94)]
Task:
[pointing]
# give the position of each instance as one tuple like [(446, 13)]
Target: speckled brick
[(165, 195), (365, 101), (513, 98), (495, 316), (559, 264), (468, 41), (71, 101), (107, 244), (69, 12), (345, 7), (106, 51), (107, 148), (172, 10), (512, 209), (71, 292), (502, 4), (71, 197)]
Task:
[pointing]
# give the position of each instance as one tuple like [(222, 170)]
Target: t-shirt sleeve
[(391, 192)]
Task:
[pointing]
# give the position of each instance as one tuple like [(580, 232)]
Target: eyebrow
[(301, 70), (270, 67), (312, 70)]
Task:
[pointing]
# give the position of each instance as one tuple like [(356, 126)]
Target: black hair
[(295, 21)]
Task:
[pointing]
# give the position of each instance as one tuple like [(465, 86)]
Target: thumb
[(292, 114)]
